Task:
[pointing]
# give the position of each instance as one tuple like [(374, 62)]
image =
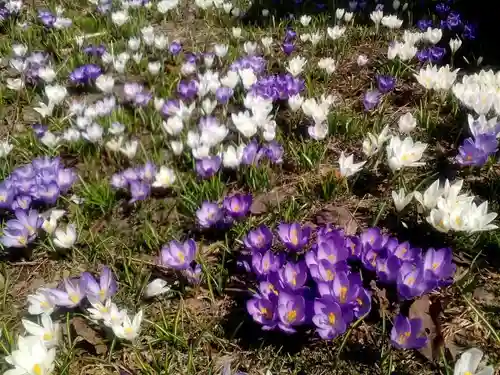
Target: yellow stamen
[(47, 336), (22, 240), (128, 330), (291, 316), (3, 198), (236, 207), (329, 275), (181, 257), (410, 281), (74, 298), (332, 318), (343, 294), (435, 266), (332, 258), (294, 239), (37, 369)]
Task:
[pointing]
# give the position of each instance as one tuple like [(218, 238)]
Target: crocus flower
[(438, 265), (259, 239), (237, 205), (469, 363), (267, 262), (332, 249), (385, 83), (128, 329), (293, 275), (263, 311), (178, 255), (102, 290), (175, 48), (208, 167), (188, 89), (288, 48), (274, 152), (293, 236), (70, 295), (139, 191), (291, 311), (328, 318), (193, 274), (209, 214), (224, 94), (371, 99), (410, 281), (372, 237), (407, 333)]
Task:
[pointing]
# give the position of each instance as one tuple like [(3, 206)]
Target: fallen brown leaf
[(338, 215), (424, 309), (86, 332)]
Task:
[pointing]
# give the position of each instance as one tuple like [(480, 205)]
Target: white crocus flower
[(404, 153), (100, 310), (429, 198), (31, 357), (93, 133), (347, 165), (391, 22), (173, 125), (156, 288), (455, 44), (318, 131), (327, 64), (128, 329), (468, 364), (114, 144), (479, 218), (376, 17), (50, 140), (339, 13), (56, 94), (177, 147), (401, 199), (41, 303), (15, 84), (236, 31), (295, 102), (164, 178), (231, 157), (335, 32), (221, 50), (129, 149), (362, 60), (134, 44), (305, 20), (120, 18), (65, 238), (47, 74), (407, 123), (296, 65), (49, 224), (248, 77), (250, 48), (432, 36), (44, 110), (48, 332), (5, 148), (105, 83), (245, 124)]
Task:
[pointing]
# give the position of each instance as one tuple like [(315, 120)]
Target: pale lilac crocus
[(100, 290)]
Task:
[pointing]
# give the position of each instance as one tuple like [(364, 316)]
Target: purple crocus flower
[(293, 236), (22, 202), (385, 83), (208, 167), (424, 24), (406, 253), (410, 281), (139, 191), (328, 318), (267, 262), (7, 194), (291, 311), (476, 151), (274, 152), (224, 94), (288, 48), (14, 235), (193, 274), (65, 178), (39, 129), (372, 238), (175, 48), (263, 311), (92, 50), (407, 333), (363, 303), (86, 73), (353, 244), (100, 290), (119, 181), (371, 99), (31, 221), (290, 34), (70, 294), (209, 214), (251, 154), (387, 268), (259, 239), (436, 54), (454, 20), (293, 275), (332, 249), (188, 89), (178, 255), (438, 265), (423, 55), (237, 205)]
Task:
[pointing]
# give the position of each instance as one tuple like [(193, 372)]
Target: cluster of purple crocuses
[(278, 86), (476, 150), (94, 50), (234, 207), (51, 20), (85, 74), (385, 84), (73, 291), (256, 63), (138, 181), (181, 256), (39, 183), (288, 45), (253, 154), (318, 283)]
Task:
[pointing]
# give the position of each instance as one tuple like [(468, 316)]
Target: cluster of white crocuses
[(446, 209), (63, 238), (480, 92), (401, 151)]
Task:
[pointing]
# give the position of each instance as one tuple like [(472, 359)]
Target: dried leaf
[(339, 216), (83, 330), (483, 296), (262, 203), (423, 308)]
